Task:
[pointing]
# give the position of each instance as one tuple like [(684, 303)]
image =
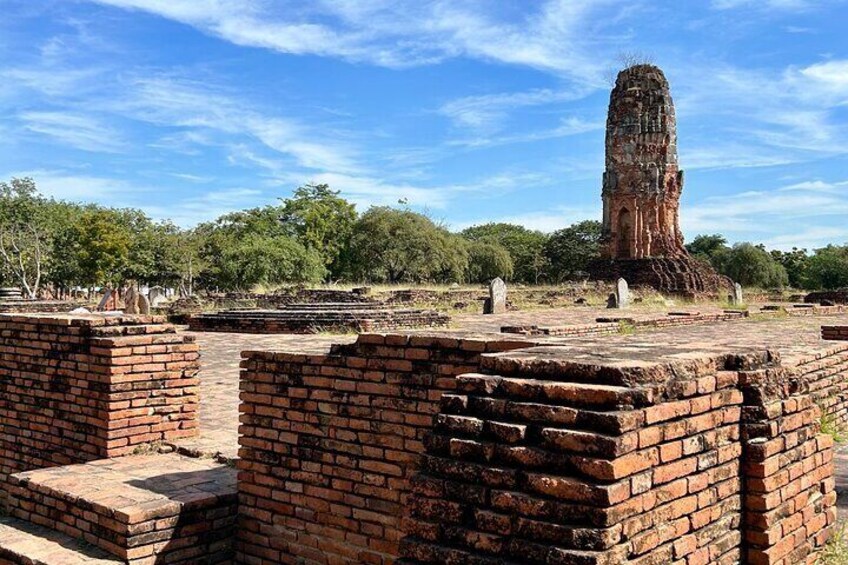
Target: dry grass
[(836, 550)]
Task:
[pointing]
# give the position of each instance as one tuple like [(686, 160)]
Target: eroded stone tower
[(642, 183)]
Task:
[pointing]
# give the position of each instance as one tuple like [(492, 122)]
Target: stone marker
[(157, 296), (131, 300), (736, 297), (622, 293), (496, 303), (105, 300), (612, 301), (143, 305)]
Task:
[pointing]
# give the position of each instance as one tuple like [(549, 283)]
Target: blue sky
[(471, 110)]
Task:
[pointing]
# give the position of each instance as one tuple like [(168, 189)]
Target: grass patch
[(626, 328), (836, 550), (829, 426)]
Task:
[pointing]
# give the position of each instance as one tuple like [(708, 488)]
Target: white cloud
[(485, 110), (175, 102), (765, 117), (74, 130), (785, 217), (555, 38), (568, 127), (188, 212), (544, 220), (65, 185)]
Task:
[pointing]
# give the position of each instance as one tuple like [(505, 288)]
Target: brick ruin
[(428, 449), (642, 183), (420, 448), (308, 318), (78, 388)]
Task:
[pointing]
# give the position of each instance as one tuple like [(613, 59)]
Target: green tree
[(708, 247), (796, 263), (487, 261), (526, 247), (25, 234), (101, 244), (827, 268), (570, 250), (257, 259), (752, 265), (389, 245), (320, 220)]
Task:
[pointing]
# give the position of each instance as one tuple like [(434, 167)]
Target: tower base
[(681, 276)]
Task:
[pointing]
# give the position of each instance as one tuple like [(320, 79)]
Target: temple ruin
[(642, 184)]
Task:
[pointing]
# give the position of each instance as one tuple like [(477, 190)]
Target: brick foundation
[(329, 443), (531, 457), (316, 318), (78, 388)]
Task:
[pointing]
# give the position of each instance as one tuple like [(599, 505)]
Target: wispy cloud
[(199, 107), (776, 215), (792, 5), (543, 220), (79, 131), (553, 38), (567, 127), (72, 186), (484, 112)]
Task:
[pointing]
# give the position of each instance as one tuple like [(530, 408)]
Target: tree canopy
[(316, 235)]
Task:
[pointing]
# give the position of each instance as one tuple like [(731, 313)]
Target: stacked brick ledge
[(75, 388)]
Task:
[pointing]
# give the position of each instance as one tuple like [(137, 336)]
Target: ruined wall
[(329, 443), (78, 388), (546, 461), (788, 469), (532, 458)]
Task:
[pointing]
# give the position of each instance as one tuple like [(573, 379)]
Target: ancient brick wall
[(788, 469), (825, 377), (78, 388), (528, 457), (587, 468), (329, 443)]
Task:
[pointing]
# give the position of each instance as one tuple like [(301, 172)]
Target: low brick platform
[(37, 306), (23, 543), (140, 509), (616, 325), (316, 318), (75, 388)]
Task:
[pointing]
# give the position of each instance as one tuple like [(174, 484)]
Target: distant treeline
[(316, 235)]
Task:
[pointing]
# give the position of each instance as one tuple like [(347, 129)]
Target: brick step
[(143, 509), (23, 543)]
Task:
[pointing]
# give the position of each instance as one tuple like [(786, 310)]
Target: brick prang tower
[(642, 183)]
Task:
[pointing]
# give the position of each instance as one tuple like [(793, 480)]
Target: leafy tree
[(707, 247), (570, 250), (257, 259), (752, 265), (390, 245), (320, 220), (796, 263), (252, 247), (827, 268), (525, 247), (487, 261), (101, 244), (25, 234)]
